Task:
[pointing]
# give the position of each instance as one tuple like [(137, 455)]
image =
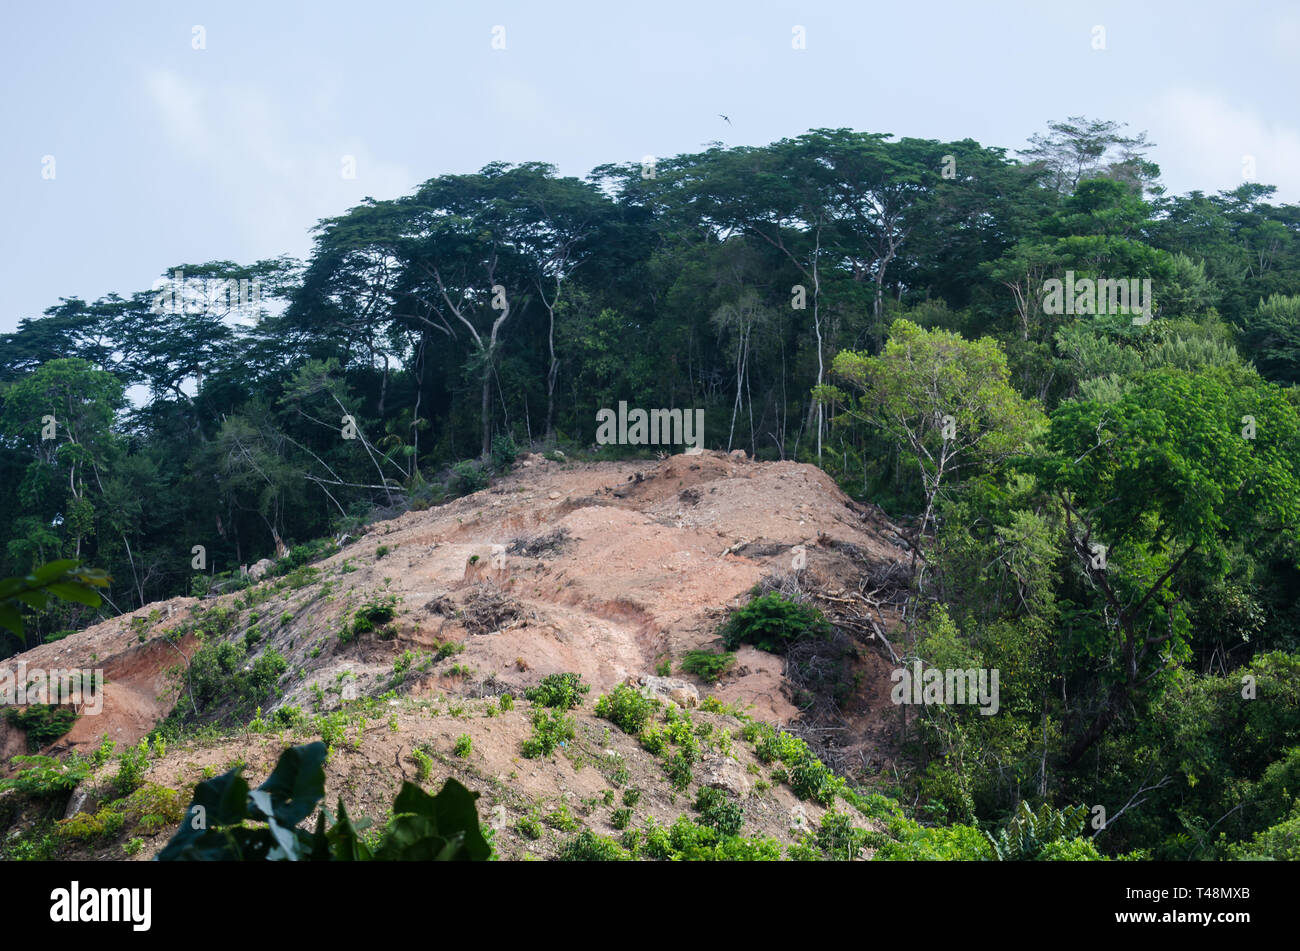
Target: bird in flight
[(727, 118)]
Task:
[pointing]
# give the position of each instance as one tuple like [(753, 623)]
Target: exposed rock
[(259, 570), (77, 802), (672, 689), (721, 772)]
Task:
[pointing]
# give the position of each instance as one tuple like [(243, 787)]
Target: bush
[(504, 452), (467, 477), (131, 768), (719, 811), (44, 777), (43, 723), (587, 846), (772, 622), (464, 746), (708, 665), (561, 691), (626, 709), (551, 728)]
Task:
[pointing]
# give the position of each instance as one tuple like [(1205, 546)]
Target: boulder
[(722, 772), (259, 570), (672, 689)]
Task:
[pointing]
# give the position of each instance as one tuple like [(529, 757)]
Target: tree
[(1171, 471), (1080, 148), (946, 401)]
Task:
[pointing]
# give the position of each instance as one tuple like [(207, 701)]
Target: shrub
[(504, 452), (621, 818), (529, 827), (837, 839), (561, 691), (464, 746), (718, 810), (626, 709), (131, 768), (708, 665), (467, 477), (44, 777), (423, 764), (43, 723), (587, 846), (551, 728), (771, 622), (561, 819)]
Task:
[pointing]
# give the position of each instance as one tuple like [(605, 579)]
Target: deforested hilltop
[(412, 651)]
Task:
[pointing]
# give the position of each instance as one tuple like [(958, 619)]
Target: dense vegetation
[(1105, 507)]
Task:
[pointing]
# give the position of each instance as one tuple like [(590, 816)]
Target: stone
[(673, 689), (259, 570), (721, 772), (77, 802)]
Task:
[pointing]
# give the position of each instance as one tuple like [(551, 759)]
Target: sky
[(137, 136)]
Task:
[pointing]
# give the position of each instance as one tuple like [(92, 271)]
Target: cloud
[(1205, 142), (275, 171)]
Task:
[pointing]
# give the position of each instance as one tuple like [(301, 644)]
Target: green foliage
[(772, 622), (131, 767), (551, 729), (423, 765), (587, 846), (709, 666), (626, 708), (561, 819), (227, 821), (504, 452), (1278, 843), (1028, 834), (44, 777), (43, 723), (561, 691), (464, 746), (467, 477), (65, 579), (720, 811)]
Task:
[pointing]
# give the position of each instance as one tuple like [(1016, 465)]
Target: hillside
[(407, 638)]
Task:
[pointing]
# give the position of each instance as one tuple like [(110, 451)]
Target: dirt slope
[(604, 569)]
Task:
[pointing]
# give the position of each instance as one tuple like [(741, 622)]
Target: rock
[(672, 689), (694, 451), (684, 697), (553, 495), (739, 455), (77, 802), (259, 570), (720, 772)]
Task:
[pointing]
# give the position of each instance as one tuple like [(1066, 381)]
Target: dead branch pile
[(538, 545), (488, 609)]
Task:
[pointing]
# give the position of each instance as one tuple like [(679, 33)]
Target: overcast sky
[(164, 153)]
